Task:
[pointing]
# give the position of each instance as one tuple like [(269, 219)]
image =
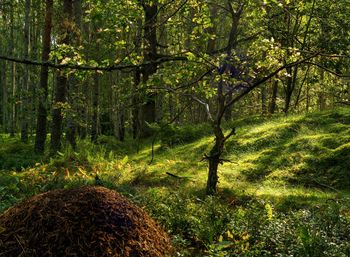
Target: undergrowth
[(285, 193)]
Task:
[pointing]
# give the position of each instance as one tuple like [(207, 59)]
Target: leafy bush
[(211, 228)]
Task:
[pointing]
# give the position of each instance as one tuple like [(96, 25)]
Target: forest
[(175, 128)]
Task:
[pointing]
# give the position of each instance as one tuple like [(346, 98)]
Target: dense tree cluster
[(85, 68)]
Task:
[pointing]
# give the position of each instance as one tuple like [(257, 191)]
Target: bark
[(290, 87), (171, 104), (215, 153), (214, 160), (307, 98), (41, 126), (148, 110), (95, 106), (72, 83), (12, 115), (232, 44), (224, 109), (272, 104), (136, 124), (135, 112), (5, 114), (263, 99), (61, 85), (297, 101), (321, 95), (121, 124), (228, 112), (211, 45), (25, 89)]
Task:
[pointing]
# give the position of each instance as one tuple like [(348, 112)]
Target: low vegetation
[(284, 193)]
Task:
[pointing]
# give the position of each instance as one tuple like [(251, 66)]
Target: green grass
[(286, 191)]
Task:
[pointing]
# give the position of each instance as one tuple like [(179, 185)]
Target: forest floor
[(285, 191)]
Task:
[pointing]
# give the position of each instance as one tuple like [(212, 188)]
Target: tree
[(62, 80), (25, 89), (41, 127)]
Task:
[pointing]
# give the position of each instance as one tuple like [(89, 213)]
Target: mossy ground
[(294, 164)]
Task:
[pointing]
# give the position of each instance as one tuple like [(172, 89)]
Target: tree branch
[(233, 132), (108, 68), (266, 78), (329, 70), (206, 105)]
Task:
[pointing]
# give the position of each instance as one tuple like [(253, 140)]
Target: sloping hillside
[(285, 191)]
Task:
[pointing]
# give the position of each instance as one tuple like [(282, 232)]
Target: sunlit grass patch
[(288, 181)]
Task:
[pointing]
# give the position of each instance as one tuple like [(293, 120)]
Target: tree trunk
[(121, 124), (263, 100), (321, 95), (136, 126), (44, 75), (13, 78), (228, 113), (135, 112), (73, 83), (212, 176), (25, 89), (214, 160), (290, 87), (13, 113), (148, 110), (95, 106), (5, 114), (61, 85), (307, 98), (218, 148), (272, 105), (57, 115)]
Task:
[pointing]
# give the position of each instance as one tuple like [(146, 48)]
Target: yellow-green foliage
[(283, 170)]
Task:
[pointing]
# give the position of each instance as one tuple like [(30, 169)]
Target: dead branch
[(173, 175)]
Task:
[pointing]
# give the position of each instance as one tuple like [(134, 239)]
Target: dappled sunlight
[(273, 167)]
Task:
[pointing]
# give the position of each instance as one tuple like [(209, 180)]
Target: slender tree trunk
[(215, 153), (263, 100), (44, 75), (290, 87), (57, 115), (136, 124), (12, 77), (321, 95), (95, 106), (25, 89), (228, 113), (135, 112), (171, 105), (272, 105), (307, 98), (301, 88), (148, 110), (62, 80), (13, 112), (121, 124), (5, 114), (73, 83), (214, 160)]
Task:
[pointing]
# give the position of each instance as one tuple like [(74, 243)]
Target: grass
[(288, 175)]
